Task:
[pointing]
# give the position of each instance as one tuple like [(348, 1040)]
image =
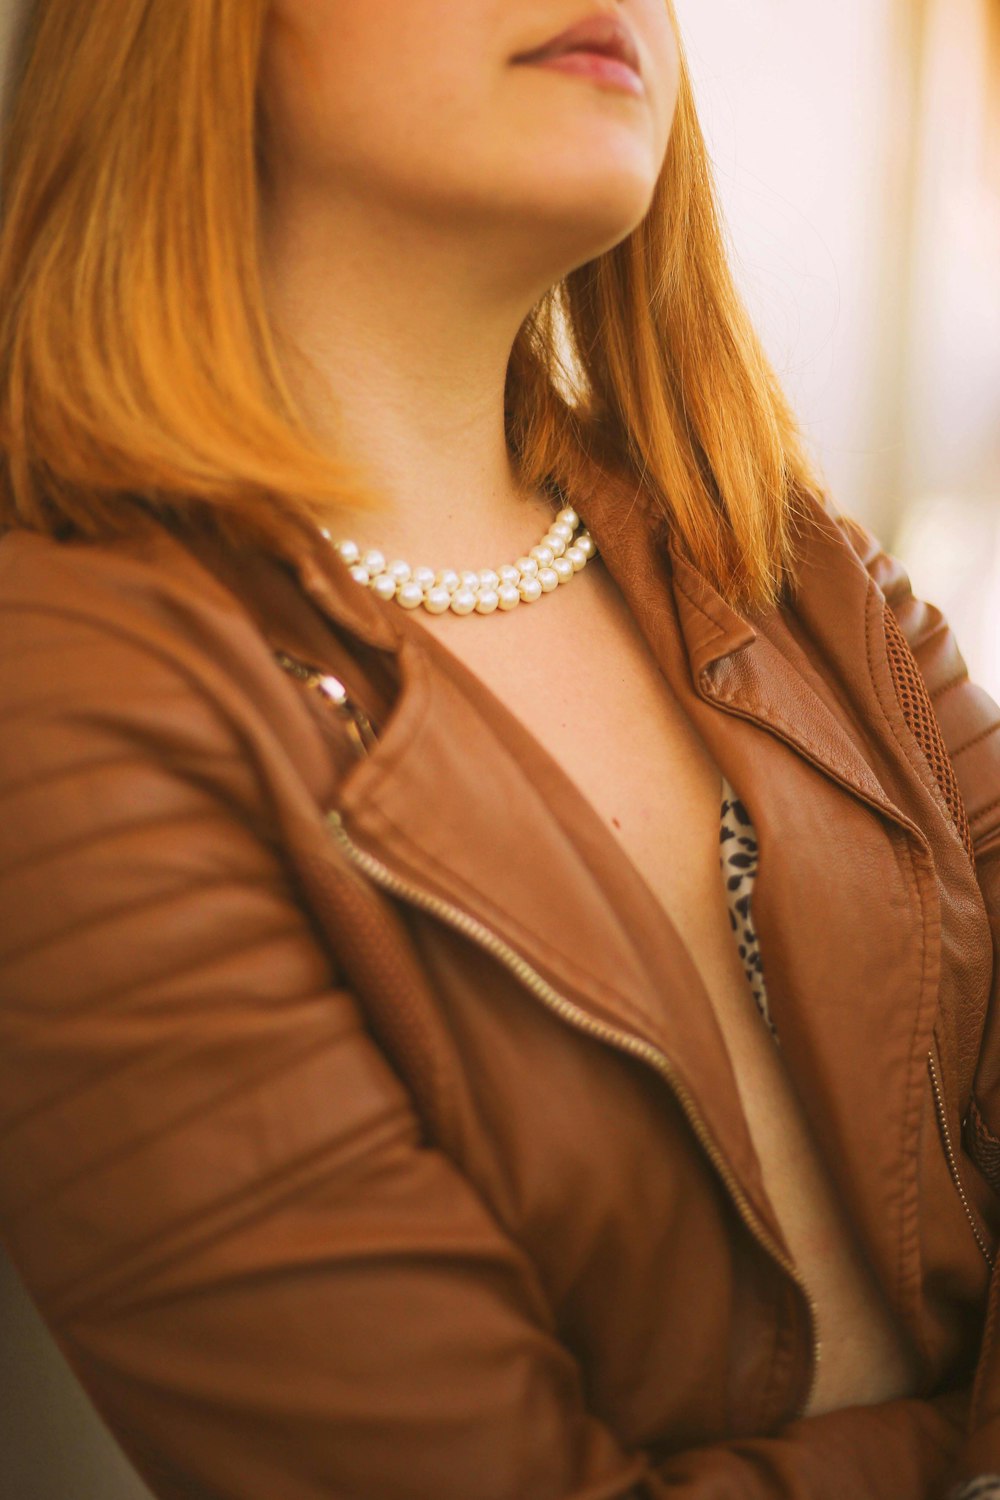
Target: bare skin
[(422, 192)]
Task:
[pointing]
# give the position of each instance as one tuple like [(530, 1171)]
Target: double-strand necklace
[(562, 552)]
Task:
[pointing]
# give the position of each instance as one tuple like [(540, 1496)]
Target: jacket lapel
[(740, 666), (461, 802), (748, 667)]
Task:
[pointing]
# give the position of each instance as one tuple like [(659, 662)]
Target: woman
[(386, 1107)]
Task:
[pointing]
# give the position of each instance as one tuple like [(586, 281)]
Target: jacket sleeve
[(969, 720), (214, 1186)]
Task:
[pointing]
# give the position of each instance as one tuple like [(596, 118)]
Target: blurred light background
[(857, 154)]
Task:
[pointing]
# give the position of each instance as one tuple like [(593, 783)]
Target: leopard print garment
[(986, 1487), (738, 858)]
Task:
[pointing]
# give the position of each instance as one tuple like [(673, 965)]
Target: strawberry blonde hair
[(139, 372)]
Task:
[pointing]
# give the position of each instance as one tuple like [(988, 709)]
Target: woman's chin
[(595, 218)]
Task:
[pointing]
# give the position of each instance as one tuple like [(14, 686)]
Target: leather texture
[(417, 1167)]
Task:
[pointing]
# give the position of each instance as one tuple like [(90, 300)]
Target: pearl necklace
[(553, 561)]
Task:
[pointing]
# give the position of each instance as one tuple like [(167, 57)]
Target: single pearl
[(488, 578), (360, 572), (585, 544), (548, 579), (448, 579), (463, 601), (470, 579), (563, 568), (349, 551), (384, 586), (576, 557), (527, 567), (374, 561), (426, 577), (410, 595), (487, 601), (509, 574), (555, 544), (569, 516), (561, 529), (437, 600), (529, 589), (401, 571), (543, 555), (509, 595)]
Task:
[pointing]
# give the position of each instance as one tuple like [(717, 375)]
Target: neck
[(405, 360)]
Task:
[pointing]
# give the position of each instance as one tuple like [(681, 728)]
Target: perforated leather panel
[(921, 720)]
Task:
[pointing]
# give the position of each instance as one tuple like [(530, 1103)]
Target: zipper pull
[(357, 723)]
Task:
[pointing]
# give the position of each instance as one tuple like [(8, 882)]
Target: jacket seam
[(278, 1065), (977, 739), (939, 628), (912, 1096), (717, 630), (916, 1085), (778, 721), (921, 764), (982, 811), (823, 758), (554, 956), (946, 687), (114, 1286)]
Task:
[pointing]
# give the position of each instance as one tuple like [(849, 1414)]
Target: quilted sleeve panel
[(967, 716), (212, 1184)]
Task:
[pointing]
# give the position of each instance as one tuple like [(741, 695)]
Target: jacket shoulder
[(138, 641), (968, 716), (150, 590)]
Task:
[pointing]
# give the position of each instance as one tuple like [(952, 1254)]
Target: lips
[(601, 33)]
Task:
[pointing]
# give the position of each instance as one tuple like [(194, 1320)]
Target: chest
[(578, 673)]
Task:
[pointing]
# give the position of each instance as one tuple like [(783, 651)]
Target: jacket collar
[(432, 802), (742, 665), (326, 579), (420, 803), (625, 529), (750, 666)]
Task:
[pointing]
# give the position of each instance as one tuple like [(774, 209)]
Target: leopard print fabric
[(738, 858)]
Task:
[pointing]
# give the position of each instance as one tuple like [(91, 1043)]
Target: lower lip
[(608, 71)]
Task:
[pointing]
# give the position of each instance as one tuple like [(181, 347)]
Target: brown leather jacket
[(365, 1130)]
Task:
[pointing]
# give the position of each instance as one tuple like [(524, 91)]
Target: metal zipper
[(355, 720), (625, 1041), (952, 1161), (708, 695), (365, 738)]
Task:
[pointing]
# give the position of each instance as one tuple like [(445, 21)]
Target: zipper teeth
[(952, 1162), (623, 1040)]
